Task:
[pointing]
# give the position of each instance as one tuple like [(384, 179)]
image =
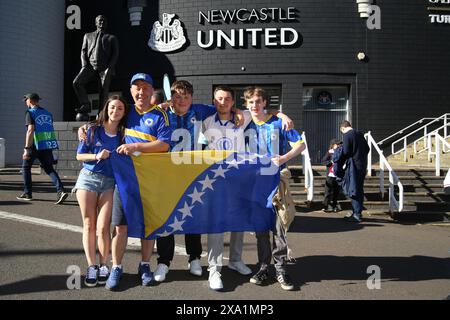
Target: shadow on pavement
[(415, 268), (314, 224)]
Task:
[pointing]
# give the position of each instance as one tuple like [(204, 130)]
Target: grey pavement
[(332, 257)]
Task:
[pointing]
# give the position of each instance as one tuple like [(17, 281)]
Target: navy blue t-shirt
[(95, 144)]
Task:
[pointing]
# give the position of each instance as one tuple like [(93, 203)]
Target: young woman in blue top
[(95, 185)]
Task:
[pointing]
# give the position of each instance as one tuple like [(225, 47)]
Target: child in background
[(332, 188)]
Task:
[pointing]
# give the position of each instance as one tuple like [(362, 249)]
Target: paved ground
[(332, 257)]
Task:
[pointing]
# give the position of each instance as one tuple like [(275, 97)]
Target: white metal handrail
[(403, 130), (427, 140), (394, 204), (438, 140), (307, 170), (445, 117)]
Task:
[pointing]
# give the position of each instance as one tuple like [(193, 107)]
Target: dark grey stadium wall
[(404, 79)]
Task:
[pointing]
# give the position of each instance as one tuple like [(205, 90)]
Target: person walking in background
[(332, 188), (95, 185), (40, 141), (353, 160)]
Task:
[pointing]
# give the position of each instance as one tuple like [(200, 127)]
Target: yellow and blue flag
[(195, 192)]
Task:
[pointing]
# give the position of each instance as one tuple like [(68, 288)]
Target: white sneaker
[(240, 267), (195, 268), (215, 281), (160, 272)]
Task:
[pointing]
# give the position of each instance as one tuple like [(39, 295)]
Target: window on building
[(273, 93)]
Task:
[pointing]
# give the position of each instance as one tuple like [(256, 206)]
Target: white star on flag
[(186, 211), (207, 183), (164, 234), (219, 172), (232, 163), (196, 196), (176, 225)]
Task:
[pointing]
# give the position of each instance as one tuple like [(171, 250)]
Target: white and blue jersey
[(224, 134), (96, 142), (186, 129), (269, 138), (148, 126)]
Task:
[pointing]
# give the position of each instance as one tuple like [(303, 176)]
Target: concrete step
[(439, 208), (439, 197), (416, 187), (9, 170), (320, 171), (370, 181)]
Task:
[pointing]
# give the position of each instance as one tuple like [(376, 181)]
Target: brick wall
[(66, 133)]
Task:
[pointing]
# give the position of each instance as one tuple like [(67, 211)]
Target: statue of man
[(99, 55)]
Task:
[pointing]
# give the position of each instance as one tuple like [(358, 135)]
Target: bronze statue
[(99, 55)]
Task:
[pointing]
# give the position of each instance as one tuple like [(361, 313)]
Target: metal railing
[(438, 140), (394, 204), (427, 140), (403, 130), (445, 117), (307, 171)]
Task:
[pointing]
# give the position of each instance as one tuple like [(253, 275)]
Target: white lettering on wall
[(271, 37), (439, 18), (256, 36)]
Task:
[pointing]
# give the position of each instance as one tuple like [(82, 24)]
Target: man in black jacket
[(354, 155)]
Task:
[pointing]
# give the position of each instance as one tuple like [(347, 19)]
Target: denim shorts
[(94, 182)]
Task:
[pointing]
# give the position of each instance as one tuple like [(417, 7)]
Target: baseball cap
[(141, 76), (32, 96)]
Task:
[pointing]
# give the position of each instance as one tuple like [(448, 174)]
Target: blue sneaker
[(114, 278), (145, 274)]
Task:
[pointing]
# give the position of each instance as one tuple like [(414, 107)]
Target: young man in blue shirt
[(186, 124), (265, 136)]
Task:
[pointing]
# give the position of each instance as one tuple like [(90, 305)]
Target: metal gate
[(324, 107)]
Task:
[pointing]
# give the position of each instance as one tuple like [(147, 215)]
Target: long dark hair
[(103, 117)]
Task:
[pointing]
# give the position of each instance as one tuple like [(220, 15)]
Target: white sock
[(117, 266), (144, 262)]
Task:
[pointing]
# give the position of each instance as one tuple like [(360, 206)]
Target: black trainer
[(103, 274), (91, 276), (259, 277), (61, 197), (25, 196), (285, 281)]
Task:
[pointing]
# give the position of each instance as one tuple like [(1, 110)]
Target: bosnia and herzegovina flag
[(195, 192)]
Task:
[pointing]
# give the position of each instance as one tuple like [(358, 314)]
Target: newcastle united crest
[(168, 36)]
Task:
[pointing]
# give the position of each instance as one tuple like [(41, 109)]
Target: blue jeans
[(358, 199), (46, 159)]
